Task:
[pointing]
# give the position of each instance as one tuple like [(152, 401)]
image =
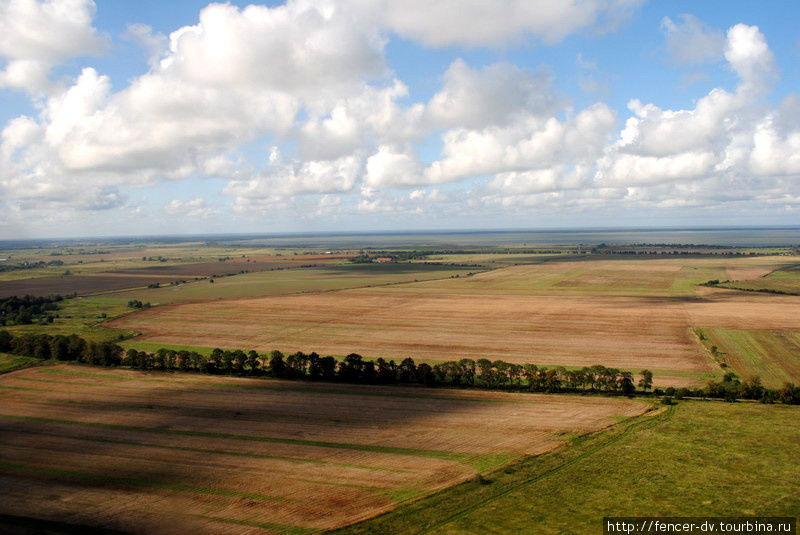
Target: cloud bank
[(313, 76)]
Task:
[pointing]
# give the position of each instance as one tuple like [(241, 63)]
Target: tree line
[(480, 373), (30, 265), (27, 309), (714, 283)]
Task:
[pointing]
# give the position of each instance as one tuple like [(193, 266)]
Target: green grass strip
[(75, 383), (87, 477), (217, 452), (337, 484), (85, 374), (107, 405), (471, 459), (24, 388), (268, 526), (403, 494)]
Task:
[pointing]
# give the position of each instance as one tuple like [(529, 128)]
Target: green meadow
[(83, 316), (688, 460)]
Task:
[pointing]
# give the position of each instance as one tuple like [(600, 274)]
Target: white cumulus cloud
[(482, 22), (527, 144), (495, 94), (726, 134), (195, 208), (36, 35)]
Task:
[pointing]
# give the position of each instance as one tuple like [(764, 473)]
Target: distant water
[(743, 237)]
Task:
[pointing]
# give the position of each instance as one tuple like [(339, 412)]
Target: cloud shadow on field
[(161, 439)]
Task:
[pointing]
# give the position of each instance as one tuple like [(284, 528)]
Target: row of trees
[(60, 347), (353, 368), (29, 265), (731, 388)]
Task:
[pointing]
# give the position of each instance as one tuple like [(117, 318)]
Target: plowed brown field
[(630, 314), (170, 453), (626, 332)]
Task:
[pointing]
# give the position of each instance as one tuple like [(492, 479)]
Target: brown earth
[(625, 332), (156, 453)]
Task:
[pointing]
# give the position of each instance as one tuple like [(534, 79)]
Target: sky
[(134, 118)]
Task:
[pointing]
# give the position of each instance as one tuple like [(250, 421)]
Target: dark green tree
[(407, 371), (646, 382), (253, 361), (277, 367)]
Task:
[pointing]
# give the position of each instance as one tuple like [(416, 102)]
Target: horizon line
[(418, 232)]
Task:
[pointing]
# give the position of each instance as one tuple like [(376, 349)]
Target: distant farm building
[(383, 259)]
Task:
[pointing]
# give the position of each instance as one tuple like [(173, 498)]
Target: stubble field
[(287, 281), (152, 453), (630, 314)]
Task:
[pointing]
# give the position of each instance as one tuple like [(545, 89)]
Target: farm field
[(774, 356), (624, 276), (696, 459), (141, 254), (492, 259), (281, 282), (148, 452), (521, 314), (92, 258), (782, 280), (110, 276), (620, 332)]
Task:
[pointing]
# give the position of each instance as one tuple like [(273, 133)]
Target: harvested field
[(625, 332), (120, 279), (146, 452), (286, 281), (656, 277), (490, 259)]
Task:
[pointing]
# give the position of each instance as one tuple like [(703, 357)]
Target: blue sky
[(129, 118)]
